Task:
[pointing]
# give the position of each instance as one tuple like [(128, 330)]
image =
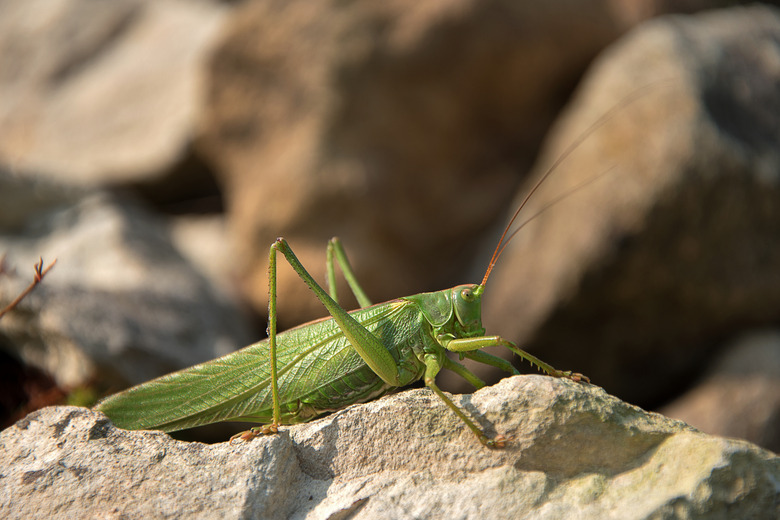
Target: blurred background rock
[(156, 149)]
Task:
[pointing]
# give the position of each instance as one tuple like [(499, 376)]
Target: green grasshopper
[(324, 365), (327, 364)]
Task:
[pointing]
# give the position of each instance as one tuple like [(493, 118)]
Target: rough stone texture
[(402, 127), (640, 276), (121, 306), (740, 394), (94, 91), (576, 452)]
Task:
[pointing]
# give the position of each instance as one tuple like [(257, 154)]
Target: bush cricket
[(349, 357)]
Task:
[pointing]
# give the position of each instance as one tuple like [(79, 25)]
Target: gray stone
[(740, 394), (402, 127), (121, 306), (669, 245), (94, 92), (574, 451)]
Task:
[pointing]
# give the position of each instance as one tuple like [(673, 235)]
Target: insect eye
[(467, 295)]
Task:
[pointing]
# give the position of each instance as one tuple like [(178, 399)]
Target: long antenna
[(573, 146), (552, 203)]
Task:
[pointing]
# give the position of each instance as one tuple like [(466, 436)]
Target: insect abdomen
[(237, 387)]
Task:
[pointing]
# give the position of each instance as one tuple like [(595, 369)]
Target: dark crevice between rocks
[(23, 388), (190, 186)]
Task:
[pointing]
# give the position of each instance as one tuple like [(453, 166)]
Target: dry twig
[(40, 272)]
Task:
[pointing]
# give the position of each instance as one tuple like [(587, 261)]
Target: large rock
[(94, 92), (575, 451), (669, 247), (402, 127), (740, 393)]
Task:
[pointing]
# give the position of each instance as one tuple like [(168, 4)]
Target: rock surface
[(94, 92), (575, 452), (670, 249)]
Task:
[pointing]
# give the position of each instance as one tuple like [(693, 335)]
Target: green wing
[(318, 371)]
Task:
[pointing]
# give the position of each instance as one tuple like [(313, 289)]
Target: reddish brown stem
[(40, 272)]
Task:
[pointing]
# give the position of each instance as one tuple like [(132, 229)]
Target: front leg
[(474, 344)]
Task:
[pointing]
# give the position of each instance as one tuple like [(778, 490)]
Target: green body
[(318, 372), (324, 365)]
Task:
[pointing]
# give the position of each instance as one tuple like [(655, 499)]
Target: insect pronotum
[(327, 364)]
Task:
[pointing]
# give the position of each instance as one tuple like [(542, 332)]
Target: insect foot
[(574, 376), (496, 443), (257, 431)]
